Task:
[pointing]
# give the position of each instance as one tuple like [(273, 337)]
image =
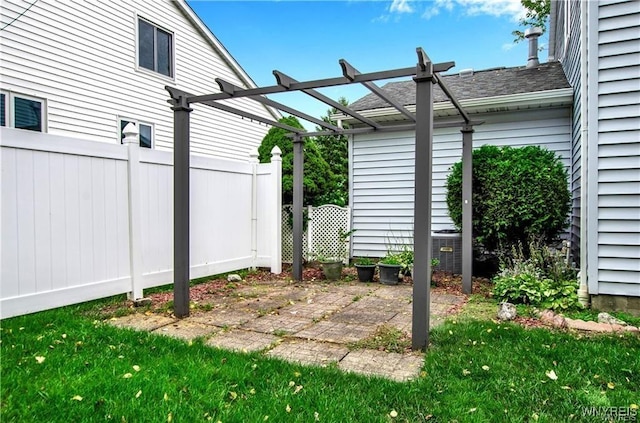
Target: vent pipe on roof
[(532, 35)]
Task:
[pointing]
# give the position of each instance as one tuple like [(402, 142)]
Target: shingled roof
[(485, 83)]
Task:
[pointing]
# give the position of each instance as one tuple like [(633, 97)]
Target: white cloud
[(508, 46), (499, 8), (511, 8), (401, 6)]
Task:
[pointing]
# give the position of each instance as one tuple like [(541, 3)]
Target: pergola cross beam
[(425, 75), (229, 88), (287, 81), (350, 72)]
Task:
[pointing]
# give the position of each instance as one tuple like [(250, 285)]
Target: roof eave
[(537, 99)]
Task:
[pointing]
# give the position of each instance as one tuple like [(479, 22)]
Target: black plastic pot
[(389, 273), (366, 272)]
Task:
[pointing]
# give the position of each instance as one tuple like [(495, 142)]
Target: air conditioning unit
[(447, 247)]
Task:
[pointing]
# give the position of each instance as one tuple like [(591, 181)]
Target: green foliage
[(317, 176), (334, 150), (537, 15), (365, 261), (518, 194), (543, 279), (391, 259)]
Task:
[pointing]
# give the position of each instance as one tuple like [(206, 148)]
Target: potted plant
[(390, 267), (331, 266), (366, 269)]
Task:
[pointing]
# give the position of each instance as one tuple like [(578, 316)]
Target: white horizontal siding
[(618, 178), (81, 58), (383, 171)]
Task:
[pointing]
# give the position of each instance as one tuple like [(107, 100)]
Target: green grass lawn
[(63, 366)]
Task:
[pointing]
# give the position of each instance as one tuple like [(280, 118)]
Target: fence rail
[(83, 220)]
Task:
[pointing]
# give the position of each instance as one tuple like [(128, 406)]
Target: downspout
[(583, 290)]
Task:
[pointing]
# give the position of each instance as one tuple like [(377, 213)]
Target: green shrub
[(543, 279), (317, 178), (518, 194)]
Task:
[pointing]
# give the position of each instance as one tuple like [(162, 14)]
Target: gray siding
[(382, 183), (81, 58), (618, 147), (566, 49)]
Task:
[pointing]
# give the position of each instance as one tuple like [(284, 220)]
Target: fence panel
[(65, 219)]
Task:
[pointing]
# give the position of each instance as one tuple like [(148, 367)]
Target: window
[(145, 132), (22, 112), (155, 48), (3, 108)]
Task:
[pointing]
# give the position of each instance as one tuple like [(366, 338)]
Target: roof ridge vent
[(465, 73)]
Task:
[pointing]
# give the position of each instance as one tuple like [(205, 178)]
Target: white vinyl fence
[(83, 220), (321, 236)]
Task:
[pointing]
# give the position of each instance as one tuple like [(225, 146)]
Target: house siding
[(617, 142), (383, 171), (81, 57), (571, 65)]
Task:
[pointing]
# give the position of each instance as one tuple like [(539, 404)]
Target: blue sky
[(305, 39)]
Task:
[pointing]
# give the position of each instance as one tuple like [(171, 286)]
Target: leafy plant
[(537, 14), (391, 259), (543, 279), (518, 194), (365, 261)]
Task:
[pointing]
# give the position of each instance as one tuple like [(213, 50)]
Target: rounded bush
[(518, 194)]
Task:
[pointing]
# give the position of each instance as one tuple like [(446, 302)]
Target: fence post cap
[(253, 155), (276, 152), (130, 132)]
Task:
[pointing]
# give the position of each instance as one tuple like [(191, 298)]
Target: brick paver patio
[(309, 323)]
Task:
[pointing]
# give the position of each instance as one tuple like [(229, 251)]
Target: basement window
[(145, 132), (22, 112)]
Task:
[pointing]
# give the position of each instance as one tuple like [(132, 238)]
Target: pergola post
[(181, 165), (298, 172), (467, 210), (422, 204)]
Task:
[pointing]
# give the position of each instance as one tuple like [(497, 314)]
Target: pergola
[(425, 74)]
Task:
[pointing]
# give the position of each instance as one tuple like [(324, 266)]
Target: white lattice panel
[(287, 236), (326, 224), (322, 235)]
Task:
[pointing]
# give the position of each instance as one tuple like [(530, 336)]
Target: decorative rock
[(507, 311), (632, 329), (234, 278), (142, 302), (547, 317), (559, 321), (607, 318)]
